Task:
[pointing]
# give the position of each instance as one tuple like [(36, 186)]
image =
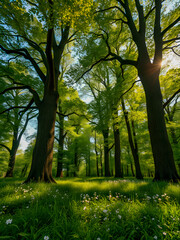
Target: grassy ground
[(89, 209)]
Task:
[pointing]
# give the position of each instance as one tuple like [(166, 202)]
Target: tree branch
[(170, 26), (7, 148), (106, 9), (171, 40), (14, 107), (24, 52), (31, 90), (171, 98)]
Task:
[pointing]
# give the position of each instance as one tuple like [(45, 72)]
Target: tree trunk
[(89, 161), (118, 170), (133, 145), (13, 151), (41, 168), (101, 162), (61, 145), (106, 153), (162, 152), (76, 158), (127, 170), (11, 164), (97, 168), (132, 170)]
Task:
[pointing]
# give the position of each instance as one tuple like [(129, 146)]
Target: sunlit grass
[(90, 208)]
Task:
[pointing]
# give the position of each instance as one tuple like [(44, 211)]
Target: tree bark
[(101, 163), (106, 152), (133, 146), (132, 170), (41, 167), (97, 157), (118, 170), (76, 158), (61, 145), (13, 151), (165, 168)]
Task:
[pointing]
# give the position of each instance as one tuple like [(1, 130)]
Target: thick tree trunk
[(106, 152), (162, 152), (133, 145), (41, 168)]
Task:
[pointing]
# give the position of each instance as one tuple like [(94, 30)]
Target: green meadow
[(89, 209)]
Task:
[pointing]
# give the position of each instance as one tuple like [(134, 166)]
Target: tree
[(14, 100), (38, 31), (146, 29)]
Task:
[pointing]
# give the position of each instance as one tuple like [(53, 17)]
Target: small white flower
[(105, 211), (105, 218), (164, 233), (84, 208), (119, 216), (155, 237), (46, 238), (153, 219), (98, 239), (9, 221)]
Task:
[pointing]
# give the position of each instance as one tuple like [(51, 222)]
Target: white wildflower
[(9, 221), (46, 238)]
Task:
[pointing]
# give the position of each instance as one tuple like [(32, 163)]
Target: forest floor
[(89, 209)]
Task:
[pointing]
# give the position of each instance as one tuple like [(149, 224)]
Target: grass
[(89, 209)]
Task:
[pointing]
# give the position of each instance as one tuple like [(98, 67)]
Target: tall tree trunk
[(60, 145), (11, 164), (127, 170), (133, 147), (106, 152), (101, 163), (132, 170), (165, 168), (41, 167), (89, 161), (15, 144), (118, 170), (76, 158), (97, 157), (13, 151)]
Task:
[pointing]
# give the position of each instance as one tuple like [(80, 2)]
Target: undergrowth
[(89, 209)]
